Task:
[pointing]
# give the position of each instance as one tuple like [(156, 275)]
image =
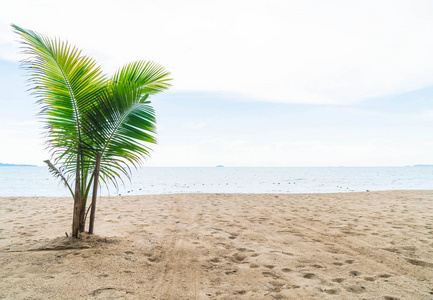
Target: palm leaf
[(66, 84), (124, 121), (146, 74)]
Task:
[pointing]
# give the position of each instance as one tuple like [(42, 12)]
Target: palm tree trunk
[(95, 193), (77, 199), (83, 192), (82, 216)]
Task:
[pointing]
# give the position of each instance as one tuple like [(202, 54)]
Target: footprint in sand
[(356, 289), (276, 286), (271, 274), (215, 260), (331, 291), (310, 276), (153, 259), (420, 263), (231, 272), (240, 292), (335, 250), (108, 292), (355, 273), (239, 257)]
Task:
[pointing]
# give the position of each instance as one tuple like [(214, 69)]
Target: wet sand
[(371, 245)]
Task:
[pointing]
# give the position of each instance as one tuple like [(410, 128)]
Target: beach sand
[(370, 245)]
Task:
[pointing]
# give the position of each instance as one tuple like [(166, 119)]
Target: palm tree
[(94, 123)]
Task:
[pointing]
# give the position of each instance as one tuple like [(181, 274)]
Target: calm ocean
[(36, 181)]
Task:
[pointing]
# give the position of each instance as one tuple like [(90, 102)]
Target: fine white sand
[(372, 245)]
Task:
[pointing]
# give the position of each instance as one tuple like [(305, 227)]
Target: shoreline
[(239, 193), (344, 245)]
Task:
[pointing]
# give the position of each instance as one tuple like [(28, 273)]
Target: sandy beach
[(370, 245)]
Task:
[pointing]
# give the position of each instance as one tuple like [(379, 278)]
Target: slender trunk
[(77, 199), (83, 192), (82, 216), (95, 193)]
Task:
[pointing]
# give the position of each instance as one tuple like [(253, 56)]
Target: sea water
[(37, 181)]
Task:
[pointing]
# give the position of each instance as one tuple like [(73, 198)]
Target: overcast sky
[(256, 83)]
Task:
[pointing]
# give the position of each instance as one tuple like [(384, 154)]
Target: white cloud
[(196, 125), (427, 114), (22, 125), (298, 153), (286, 51)]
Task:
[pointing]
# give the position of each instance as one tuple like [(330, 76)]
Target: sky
[(255, 83)]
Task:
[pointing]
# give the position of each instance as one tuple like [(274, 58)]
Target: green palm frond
[(123, 121), (66, 84), (146, 74)]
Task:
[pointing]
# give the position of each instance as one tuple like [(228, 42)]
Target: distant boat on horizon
[(220, 166)]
